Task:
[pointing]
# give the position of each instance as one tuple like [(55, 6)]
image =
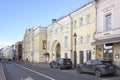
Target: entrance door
[(66, 55), (88, 52), (108, 52), (81, 56), (58, 50)]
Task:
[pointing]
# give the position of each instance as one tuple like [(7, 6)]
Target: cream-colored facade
[(84, 27), (59, 38), (34, 44), (27, 45), (108, 30), (60, 41), (39, 42)]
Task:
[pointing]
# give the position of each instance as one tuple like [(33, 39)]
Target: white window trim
[(81, 21), (88, 18), (88, 41), (106, 11), (80, 39), (65, 42)]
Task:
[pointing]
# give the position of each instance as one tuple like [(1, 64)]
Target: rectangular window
[(88, 39), (65, 41), (44, 44), (88, 52), (88, 19), (81, 21), (74, 23), (81, 40), (55, 31), (108, 21), (48, 45)]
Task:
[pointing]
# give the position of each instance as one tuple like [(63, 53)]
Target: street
[(22, 71)]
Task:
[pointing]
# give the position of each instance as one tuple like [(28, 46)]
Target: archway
[(58, 50)]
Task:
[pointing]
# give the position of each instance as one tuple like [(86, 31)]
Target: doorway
[(88, 52), (81, 57), (108, 52), (58, 50)]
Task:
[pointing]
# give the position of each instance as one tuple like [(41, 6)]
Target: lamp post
[(74, 53)]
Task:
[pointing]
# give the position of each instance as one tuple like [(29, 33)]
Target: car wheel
[(98, 73), (51, 66), (79, 70)]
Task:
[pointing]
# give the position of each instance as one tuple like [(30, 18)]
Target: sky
[(18, 15)]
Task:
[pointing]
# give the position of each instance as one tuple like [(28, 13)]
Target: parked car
[(9, 60), (98, 67), (61, 63)]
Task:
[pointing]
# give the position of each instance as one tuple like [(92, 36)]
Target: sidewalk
[(41, 64), (2, 75)]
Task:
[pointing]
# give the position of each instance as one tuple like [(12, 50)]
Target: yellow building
[(39, 42), (59, 38), (34, 45), (84, 27), (60, 41)]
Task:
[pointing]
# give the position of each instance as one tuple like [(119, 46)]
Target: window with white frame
[(88, 19), (65, 41), (44, 44), (81, 21), (48, 45), (74, 23), (55, 31), (88, 39), (81, 40), (108, 21)]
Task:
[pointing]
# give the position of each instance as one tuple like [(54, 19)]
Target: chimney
[(54, 20)]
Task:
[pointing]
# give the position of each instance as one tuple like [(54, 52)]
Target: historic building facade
[(84, 27), (39, 44), (60, 35), (18, 50), (34, 44), (59, 38), (27, 45), (107, 33)]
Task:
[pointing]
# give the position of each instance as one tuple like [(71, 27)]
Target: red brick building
[(18, 51)]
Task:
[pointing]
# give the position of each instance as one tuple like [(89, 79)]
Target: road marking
[(29, 78), (104, 79), (35, 72)]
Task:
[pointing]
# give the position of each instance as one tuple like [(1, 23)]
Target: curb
[(4, 78)]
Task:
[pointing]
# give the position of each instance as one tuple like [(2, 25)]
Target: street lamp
[(74, 53)]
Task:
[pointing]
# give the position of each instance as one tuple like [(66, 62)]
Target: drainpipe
[(94, 1), (71, 34)]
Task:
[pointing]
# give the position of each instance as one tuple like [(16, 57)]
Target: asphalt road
[(22, 71)]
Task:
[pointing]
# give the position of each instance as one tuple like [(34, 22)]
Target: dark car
[(61, 63), (9, 60), (98, 67)]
